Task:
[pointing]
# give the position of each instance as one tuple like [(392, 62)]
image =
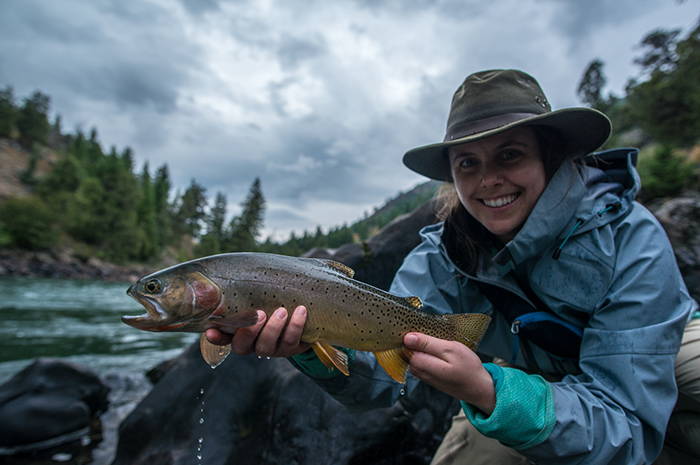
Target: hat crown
[(489, 99)]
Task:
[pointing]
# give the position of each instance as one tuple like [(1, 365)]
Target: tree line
[(95, 203), (660, 109)]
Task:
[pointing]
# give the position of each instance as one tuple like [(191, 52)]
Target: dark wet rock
[(49, 403), (680, 217), (376, 260), (253, 411)]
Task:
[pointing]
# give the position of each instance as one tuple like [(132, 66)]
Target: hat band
[(473, 127)]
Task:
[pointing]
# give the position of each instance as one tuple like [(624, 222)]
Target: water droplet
[(221, 350), (267, 358), (259, 357), (199, 456), (201, 391), (402, 392), (201, 421), (201, 440)]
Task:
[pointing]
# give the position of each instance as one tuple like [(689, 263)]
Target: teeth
[(500, 201)]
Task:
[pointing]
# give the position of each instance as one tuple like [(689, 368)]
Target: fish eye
[(152, 286)]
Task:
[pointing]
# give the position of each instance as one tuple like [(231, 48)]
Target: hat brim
[(583, 130)]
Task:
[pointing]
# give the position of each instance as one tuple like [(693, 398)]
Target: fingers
[(271, 337), (290, 342), (218, 338), (266, 343), (243, 342)]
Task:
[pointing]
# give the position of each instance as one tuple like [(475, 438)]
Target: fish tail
[(469, 328)]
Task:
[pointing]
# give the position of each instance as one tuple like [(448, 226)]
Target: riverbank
[(66, 265)]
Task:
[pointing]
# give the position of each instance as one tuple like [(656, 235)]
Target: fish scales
[(225, 291)]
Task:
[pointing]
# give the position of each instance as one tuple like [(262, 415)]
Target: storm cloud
[(318, 99)]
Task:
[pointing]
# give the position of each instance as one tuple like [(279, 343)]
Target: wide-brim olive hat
[(490, 102)]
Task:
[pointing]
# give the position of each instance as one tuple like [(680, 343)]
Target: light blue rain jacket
[(615, 276)]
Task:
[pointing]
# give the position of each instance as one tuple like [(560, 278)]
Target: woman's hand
[(452, 368), (268, 337)]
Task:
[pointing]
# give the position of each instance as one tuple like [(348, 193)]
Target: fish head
[(176, 299)]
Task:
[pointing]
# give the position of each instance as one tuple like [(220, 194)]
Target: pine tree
[(245, 228), (33, 123), (8, 112)]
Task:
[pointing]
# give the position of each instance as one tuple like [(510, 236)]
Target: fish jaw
[(155, 318)]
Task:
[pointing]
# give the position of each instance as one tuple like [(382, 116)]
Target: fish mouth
[(154, 316)]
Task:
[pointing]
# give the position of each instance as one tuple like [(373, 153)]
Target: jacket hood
[(576, 200)]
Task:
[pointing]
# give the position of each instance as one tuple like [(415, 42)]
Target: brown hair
[(464, 237)]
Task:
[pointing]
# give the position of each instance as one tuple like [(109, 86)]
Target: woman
[(529, 226)]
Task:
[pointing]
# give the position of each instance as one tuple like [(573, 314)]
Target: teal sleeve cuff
[(309, 364), (524, 415)]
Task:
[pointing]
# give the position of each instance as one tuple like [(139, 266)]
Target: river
[(80, 321)]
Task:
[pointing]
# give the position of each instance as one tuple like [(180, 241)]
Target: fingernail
[(301, 310), (281, 313), (410, 340)]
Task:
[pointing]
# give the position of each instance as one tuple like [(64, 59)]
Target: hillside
[(72, 259), (14, 161)]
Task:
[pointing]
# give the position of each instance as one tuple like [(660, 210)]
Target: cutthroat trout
[(225, 291)]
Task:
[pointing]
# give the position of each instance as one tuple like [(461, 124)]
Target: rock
[(680, 217), (376, 261), (49, 403), (252, 411)]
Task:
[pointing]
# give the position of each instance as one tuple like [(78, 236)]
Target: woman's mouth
[(500, 201)]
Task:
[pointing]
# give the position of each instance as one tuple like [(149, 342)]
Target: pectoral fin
[(395, 362), (331, 357), (233, 321), (212, 353)]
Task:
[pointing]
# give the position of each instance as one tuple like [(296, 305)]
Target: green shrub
[(28, 222), (665, 173)]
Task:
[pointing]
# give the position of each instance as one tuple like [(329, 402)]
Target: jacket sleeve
[(368, 385), (617, 409)]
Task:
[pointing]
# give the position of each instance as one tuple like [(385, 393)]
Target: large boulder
[(253, 411), (680, 217), (376, 260), (51, 402)]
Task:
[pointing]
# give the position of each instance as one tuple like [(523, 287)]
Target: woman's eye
[(467, 162), (510, 154)]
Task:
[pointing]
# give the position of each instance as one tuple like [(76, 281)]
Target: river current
[(80, 322)]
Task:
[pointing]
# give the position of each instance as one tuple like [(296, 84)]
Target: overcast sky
[(320, 99)]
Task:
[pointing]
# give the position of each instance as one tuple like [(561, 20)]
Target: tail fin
[(469, 328)]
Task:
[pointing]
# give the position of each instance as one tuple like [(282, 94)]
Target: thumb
[(417, 341)]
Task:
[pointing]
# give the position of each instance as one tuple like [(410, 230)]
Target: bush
[(665, 173), (28, 223)]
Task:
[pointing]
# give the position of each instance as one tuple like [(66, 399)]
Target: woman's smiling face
[(499, 179)]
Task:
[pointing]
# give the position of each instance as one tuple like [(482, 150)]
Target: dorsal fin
[(339, 267)]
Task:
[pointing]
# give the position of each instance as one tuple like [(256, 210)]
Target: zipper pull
[(515, 327)]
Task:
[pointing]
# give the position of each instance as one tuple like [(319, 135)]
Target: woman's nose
[(491, 177)]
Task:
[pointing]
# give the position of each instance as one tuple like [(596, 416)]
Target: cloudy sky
[(319, 99)]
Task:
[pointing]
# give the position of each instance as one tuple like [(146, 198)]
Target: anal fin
[(395, 362), (331, 357), (212, 353)]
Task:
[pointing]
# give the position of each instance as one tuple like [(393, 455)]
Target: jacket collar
[(555, 209)]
